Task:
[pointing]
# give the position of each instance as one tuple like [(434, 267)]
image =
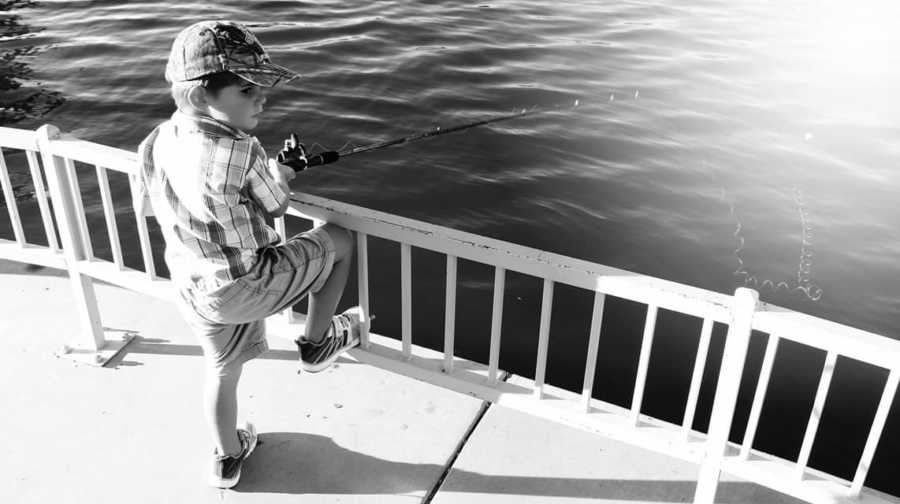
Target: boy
[(210, 187)]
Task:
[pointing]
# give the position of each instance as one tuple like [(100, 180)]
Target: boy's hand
[(281, 173), (293, 154)]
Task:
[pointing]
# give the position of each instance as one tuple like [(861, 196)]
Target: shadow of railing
[(310, 464)]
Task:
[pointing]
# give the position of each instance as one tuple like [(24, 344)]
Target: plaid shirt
[(210, 189)]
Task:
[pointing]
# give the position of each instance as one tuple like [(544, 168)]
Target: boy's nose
[(262, 99)]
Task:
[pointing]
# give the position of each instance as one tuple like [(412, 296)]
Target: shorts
[(229, 321)]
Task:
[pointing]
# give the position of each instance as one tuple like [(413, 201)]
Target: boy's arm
[(268, 184), (282, 175)]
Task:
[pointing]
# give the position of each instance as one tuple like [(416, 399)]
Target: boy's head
[(218, 67)]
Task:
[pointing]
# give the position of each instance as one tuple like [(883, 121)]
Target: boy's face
[(238, 105)]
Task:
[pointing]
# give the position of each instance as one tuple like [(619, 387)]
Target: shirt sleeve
[(261, 185), (140, 198), (140, 195)]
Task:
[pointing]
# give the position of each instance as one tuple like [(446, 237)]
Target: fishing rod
[(295, 155)]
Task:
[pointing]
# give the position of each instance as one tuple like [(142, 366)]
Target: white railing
[(741, 312)]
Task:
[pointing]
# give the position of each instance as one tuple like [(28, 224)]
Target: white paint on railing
[(66, 210), (40, 192), (593, 344), (496, 323), (816, 413), (884, 407), (406, 297), (31, 254), (15, 138), (10, 198), (75, 149), (543, 338), (315, 223), (129, 278), (450, 314), (827, 335), (759, 397), (730, 372), (109, 211), (595, 277), (643, 363), (690, 408), (80, 215), (362, 267)]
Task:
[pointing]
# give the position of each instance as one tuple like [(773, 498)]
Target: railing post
[(10, 198), (315, 224), (450, 314), (91, 346), (732, 368), (362, 257)]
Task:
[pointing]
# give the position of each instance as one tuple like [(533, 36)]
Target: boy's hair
[(212, 83)]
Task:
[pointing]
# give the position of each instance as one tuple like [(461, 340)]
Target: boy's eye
[(250, 90)]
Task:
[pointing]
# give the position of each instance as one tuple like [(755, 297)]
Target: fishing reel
[(294, 155)]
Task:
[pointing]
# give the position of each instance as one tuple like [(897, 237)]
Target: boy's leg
[(323, 303), (220, 405)]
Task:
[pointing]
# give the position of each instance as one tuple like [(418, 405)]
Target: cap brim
[(265, 75)]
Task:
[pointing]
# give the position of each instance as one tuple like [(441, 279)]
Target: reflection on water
[(804, 282), (20, 96)]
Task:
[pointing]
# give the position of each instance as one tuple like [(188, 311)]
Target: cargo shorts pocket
[(208, 304)]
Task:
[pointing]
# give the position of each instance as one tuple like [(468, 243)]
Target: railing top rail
[(18, 138), (817, 332), (539, 263), (73, 148), (93, 153)]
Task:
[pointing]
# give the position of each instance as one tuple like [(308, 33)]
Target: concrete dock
[(134, 432)]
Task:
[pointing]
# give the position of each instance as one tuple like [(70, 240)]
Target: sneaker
[(342, 335), (227, 468)]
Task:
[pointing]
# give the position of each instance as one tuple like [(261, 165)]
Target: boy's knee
[(344, 240), (228, 371)]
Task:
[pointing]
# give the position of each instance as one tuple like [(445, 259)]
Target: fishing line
[(804, 282), (295, 155)]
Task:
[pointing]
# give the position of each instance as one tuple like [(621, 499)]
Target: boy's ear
[(196, 97)]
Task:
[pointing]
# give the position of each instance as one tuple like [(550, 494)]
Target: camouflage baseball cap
[(218, 46)]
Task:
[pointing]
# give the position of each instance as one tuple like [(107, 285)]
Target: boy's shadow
[(297, 463)]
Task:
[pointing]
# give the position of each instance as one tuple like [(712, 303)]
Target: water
[(716, 144)]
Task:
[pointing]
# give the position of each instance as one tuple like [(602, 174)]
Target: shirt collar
[(206, 124)]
